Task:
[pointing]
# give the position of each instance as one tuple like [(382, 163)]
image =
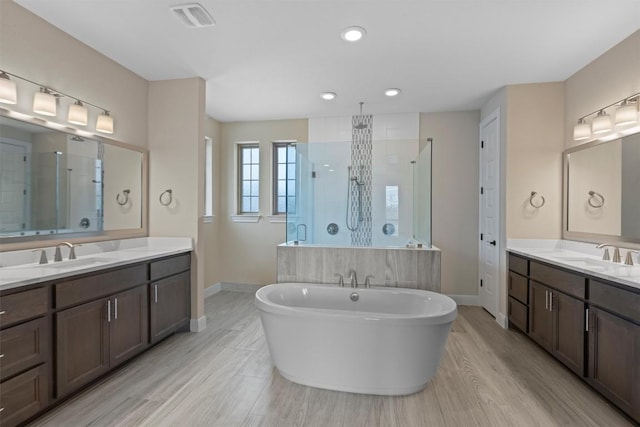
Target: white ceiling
[(270, 59)]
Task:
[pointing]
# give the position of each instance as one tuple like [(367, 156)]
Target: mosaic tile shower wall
[(361, 168)]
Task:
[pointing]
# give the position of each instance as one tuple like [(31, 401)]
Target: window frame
[(275, 178), (239, 177)]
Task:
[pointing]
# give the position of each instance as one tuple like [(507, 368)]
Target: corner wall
[(212, 273), (455, 198), (247, 251)]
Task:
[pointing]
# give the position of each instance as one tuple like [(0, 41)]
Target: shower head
[(361, 125)]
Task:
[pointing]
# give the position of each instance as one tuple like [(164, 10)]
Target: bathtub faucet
[(340, 280), (353, 279)]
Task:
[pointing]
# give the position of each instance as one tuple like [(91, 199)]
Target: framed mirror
[(602, 191), (59, 183)]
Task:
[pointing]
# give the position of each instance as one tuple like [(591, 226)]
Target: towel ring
[(169, 197), (123, 200), (599, 199), (539, 205)]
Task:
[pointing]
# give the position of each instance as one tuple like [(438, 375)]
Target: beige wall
[(455, 196), (534, 145), (32, 48), (176, 162), (247, 252), (609, 78), (212, 228)]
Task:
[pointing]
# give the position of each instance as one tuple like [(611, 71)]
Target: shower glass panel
[(384, 201)]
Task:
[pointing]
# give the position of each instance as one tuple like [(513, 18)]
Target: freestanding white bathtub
[(388, 341)]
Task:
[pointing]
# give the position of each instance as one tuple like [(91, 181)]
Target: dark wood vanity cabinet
[(24, 354), (60, 336), (169, 296), (590, 325)]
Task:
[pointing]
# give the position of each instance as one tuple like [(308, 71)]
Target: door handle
[(115, 310), (492, 243)]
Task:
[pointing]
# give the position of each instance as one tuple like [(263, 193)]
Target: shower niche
[(361, 181)]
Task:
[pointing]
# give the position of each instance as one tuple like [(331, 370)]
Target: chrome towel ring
[(123, 200), (540, 204), (595, 200), (166, 197)]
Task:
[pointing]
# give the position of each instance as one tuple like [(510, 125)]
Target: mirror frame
[(579, 235), (32, 242)]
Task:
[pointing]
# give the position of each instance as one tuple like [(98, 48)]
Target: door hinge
[(480, 282), (481, 144), (481, 236), (481, 190), (24, 158), (24, 192)]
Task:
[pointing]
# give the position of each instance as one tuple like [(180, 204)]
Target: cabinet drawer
[(23, 347), (569, 283), (619, 301), (24, 396), (518, 287), (519, 265), (23, 305), (169, 266), (100, 285), (518, 314)]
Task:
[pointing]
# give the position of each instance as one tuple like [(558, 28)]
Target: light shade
[(104, 123), (328, 96), (8, 92), (44, 103), (626, 114), (581, 131), (601, 123), (77, 114), (353, 34)]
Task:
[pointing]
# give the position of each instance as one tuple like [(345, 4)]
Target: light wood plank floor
[(223, 376)]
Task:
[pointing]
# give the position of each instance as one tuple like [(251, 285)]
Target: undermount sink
[(73, 263), (594, 264)]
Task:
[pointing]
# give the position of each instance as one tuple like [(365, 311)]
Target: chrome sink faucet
[(629, 258), (57, 257), (606, 256), (353, 279)]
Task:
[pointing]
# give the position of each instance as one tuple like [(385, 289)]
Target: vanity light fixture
[(392, 91), (626, 113), (353, 34), (45, 102), (601, 123), (104, 123), (328, 96), (8, 91), (78, 114), (581, 131)]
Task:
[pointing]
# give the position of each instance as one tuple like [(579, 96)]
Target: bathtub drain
[(354, 296)]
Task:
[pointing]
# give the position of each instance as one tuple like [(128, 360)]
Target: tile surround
[(394, 267)]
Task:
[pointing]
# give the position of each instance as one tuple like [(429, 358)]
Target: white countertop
[(20, 268), (578, 256)]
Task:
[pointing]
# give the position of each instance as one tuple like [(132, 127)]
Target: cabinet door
[(82, 346), (540, 320), (24, 396), (614, 359), (169, 304), (129, 324), (568, 331)]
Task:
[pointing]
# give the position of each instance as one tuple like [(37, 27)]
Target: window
[(208, 178), (284, 178), (248, 178)]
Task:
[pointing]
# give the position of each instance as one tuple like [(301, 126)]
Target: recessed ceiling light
[(392, 92), (328, 95), (353, 34)]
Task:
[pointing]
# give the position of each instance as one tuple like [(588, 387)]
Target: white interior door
[(490, 213)]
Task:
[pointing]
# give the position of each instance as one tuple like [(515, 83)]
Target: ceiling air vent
[(193, 15)]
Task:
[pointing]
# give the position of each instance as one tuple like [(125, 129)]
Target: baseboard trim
[(212, 290), (239, 287), (502, 320), (466, 299), (198, 325)]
